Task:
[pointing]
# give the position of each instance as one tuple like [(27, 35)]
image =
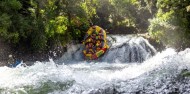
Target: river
[(131, 66)]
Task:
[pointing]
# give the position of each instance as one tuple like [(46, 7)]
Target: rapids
[(131, 66)]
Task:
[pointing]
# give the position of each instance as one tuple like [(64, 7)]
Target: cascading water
[(129, 49), (112, 74), (122, 49)]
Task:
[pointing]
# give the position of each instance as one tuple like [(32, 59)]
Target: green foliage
[(56, 26), (122, 14), (171, 25), (10, 5), (89, 7), (8, 13), (39, 24), (42, 22), (5, 23)]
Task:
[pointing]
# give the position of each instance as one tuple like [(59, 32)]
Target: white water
[(123, 49), (157, 74)]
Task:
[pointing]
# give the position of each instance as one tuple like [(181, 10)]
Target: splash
[(157, 74)]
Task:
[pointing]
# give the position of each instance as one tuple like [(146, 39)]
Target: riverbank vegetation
[(37, 25)]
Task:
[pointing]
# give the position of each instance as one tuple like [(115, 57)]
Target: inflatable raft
[(95, 43), (15, 64)]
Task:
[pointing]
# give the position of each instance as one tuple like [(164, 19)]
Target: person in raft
[(93, 35), (98, 45), (11, 60), (99, 41), (89, 46)]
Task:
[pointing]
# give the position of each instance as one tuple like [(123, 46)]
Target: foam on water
[(85, 77), (154, 75)]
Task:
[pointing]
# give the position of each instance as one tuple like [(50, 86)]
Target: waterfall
[(124, 49)]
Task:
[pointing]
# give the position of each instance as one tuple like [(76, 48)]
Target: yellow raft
[(95, 43)]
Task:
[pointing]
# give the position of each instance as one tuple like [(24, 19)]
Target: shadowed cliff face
[(27, 56), (5, 50)]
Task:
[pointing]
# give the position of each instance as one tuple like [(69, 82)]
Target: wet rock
[(5, 51), (157, 45), (107, 90)]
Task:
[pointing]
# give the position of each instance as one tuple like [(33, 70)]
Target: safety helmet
[(10, 56)]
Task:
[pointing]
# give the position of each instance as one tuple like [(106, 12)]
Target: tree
[(171, 24)]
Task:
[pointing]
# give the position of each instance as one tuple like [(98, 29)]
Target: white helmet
[(10, 56)]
